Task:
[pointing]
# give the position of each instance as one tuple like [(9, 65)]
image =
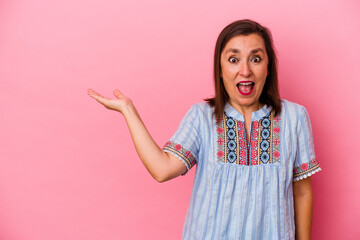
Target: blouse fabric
[(243, 189)]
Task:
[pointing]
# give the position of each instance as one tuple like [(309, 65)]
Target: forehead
[(244, 44)]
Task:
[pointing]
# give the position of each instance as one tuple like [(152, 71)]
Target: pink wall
[(68, 169)]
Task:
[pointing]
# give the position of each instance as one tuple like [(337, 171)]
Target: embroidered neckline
[(263, 146), (257, 115)]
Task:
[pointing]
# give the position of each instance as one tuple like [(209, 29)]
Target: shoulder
[(291, 105), (292, 108), (294, 112), (202, 108)]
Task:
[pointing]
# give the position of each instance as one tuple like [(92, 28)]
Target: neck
[(248, 110)]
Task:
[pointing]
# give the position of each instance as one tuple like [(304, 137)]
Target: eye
[(256, 59), (233, 60)]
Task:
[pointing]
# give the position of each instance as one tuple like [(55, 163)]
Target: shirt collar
[(230, 111)]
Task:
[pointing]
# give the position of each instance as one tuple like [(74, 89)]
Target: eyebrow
[(235, 50)]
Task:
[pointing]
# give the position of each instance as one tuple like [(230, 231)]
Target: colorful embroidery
[(276, 139), (254, 142), (306, 168), (221, 140), (231, 140), (186, 156), (263, 147), (243, 145), (264, 139)]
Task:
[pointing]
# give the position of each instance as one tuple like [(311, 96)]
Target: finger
[(90, 91), (117, 93), (93, 93), (97, 98)]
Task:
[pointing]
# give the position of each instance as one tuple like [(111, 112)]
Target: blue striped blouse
[(243, 188)]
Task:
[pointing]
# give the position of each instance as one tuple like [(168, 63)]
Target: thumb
[(117, 93)]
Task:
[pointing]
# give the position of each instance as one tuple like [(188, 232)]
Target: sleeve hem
[(308, 174), (181, 153), (174, 153)]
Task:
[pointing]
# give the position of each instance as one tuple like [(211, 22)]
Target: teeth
[(246, 83)]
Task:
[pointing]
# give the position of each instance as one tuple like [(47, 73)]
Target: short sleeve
[(306, 163), (185, 143)]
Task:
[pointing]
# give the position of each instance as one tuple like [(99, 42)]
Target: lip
[(247, 93)]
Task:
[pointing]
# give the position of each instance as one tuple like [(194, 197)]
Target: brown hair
[(270, 94)]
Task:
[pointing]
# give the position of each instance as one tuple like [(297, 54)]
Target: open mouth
[(246, 87)]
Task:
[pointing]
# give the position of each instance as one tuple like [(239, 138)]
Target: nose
[(244, 69)]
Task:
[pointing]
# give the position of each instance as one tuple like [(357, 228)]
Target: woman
[(254, 152)]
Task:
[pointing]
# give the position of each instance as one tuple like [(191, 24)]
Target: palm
[(116, 104)]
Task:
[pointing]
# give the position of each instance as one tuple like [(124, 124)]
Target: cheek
[(262, 76), (262, 73), (266, 68), (228, 72)]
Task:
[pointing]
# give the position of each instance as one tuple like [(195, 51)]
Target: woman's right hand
[(161, 165), (120, 104)]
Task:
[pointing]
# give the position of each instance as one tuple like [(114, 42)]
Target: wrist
[(128, 109)]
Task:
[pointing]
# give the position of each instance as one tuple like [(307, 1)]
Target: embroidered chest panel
[(263, 147)]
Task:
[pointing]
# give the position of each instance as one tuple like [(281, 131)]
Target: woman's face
[(244, 68)]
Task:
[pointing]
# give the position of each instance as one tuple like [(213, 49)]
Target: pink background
[(68, 169)]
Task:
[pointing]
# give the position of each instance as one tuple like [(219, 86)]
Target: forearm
[(156, 161), (303, 206), (161, 166)]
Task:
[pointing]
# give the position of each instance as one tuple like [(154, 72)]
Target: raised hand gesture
[(120, 103), (161, 165)]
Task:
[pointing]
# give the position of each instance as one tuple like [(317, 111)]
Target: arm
[(303, 205), (162, 166)]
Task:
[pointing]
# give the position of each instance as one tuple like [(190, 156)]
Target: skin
[(303, 206), (161, 165), (244, 58)]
